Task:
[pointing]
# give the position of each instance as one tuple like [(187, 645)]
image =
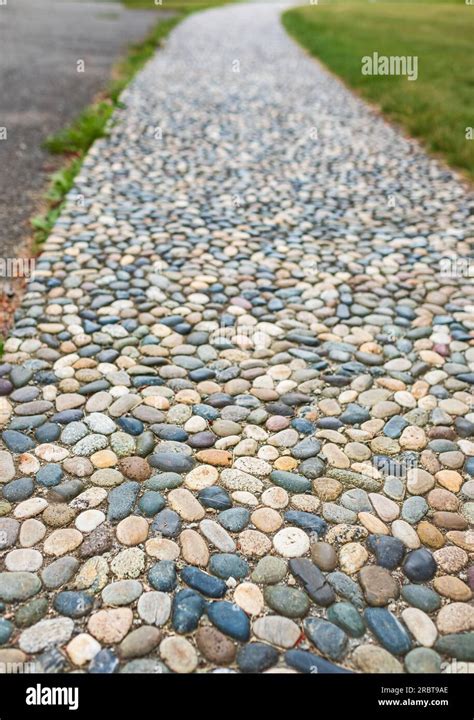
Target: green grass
[(437, 107), (75, 140), (60, 184)]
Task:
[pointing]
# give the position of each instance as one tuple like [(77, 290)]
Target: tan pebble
[(441, 499), (452, 587), (30, 508), (194, 548), (162, 549), (384, 445), (390, 383), (110, 626), (285, 462), (373, 659), (51, 453), (133, 530), (90, 498), (266, 520), (419, 389), (373, 524), (185, 504), (275, 497), (329, 407), (421, 626), (331, 435), (419, 481), (327, 489), (277, 630), (253, 543), (334, 456), (104, 459), (291, 542), (373, 426), (352, 557), (215, 457), (178, 653), (78, 466), (357, 451), (432, 358), (249, 597), (385, 409), (306, 503), (188, 397), (429, 461), (385, 508), (450, 479), (61, 542), (28, 464), (31, 532), (413, 438), (201, 477), (455, 618), (107, 477), (82, 648), (93, 574), (406, 533), (465, 540), (9, 657), (244, 498)]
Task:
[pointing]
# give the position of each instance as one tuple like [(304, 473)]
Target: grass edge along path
[(74, 140), (437, 109)]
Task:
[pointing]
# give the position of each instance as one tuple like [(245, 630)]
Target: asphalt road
[(41, 42)]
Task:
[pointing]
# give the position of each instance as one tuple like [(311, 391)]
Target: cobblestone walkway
[(237, 410)]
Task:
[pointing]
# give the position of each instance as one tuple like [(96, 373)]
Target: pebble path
[(236, 406)]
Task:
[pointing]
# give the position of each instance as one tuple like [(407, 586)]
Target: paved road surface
[(41, 90)]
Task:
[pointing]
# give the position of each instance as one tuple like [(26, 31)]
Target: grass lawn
[(438, 106)]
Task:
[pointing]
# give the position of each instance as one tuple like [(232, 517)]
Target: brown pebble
[(441, 432), (450, 521), (324, 556), (97, 543), (378, 585), (215, 646), (429, 535), (135, 468)]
